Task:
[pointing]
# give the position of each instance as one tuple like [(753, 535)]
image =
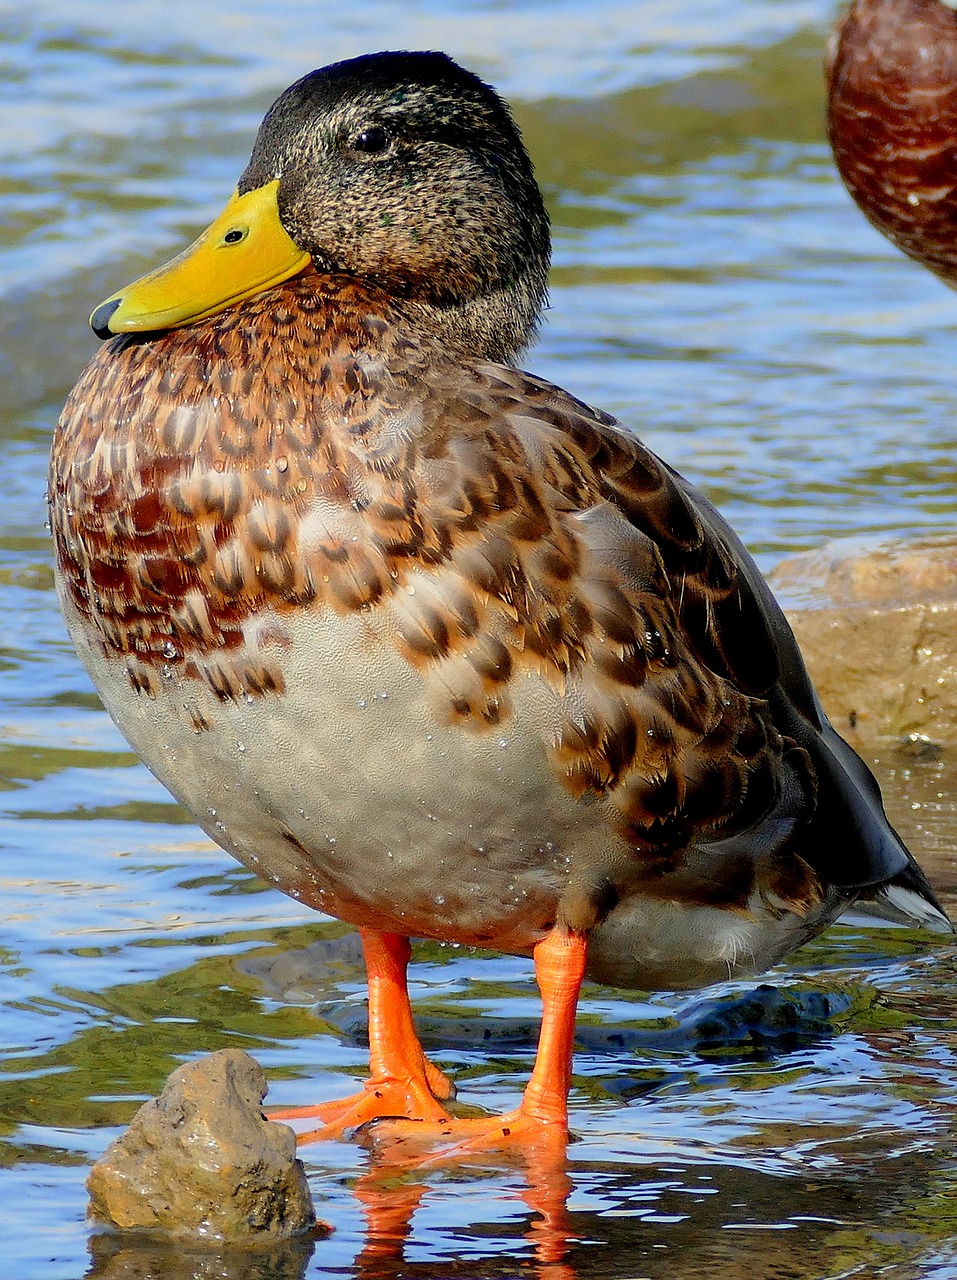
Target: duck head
[(401, 169)]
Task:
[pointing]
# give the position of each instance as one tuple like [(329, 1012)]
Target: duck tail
[(906, 899)]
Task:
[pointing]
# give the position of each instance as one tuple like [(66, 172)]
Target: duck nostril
[(100, 319)]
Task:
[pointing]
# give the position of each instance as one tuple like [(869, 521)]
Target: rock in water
[(202, 1162), (877, 624)]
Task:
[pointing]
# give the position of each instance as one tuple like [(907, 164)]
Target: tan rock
[(201, 1162), (877, 625)]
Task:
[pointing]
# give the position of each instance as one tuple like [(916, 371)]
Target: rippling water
[(715, 288)]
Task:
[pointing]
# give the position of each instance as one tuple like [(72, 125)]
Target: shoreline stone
[(877, 624), (201, 1163)]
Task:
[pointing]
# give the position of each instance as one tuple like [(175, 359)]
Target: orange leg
[(543, 1111), (559, 970), (541, 1119), (403, 1084), (402, 1081)]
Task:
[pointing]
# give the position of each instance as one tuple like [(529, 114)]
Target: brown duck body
[(443, 652), (892, 122)]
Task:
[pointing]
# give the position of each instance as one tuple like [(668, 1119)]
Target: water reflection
[(393, 1188), (589, 1219), (123, 1257)]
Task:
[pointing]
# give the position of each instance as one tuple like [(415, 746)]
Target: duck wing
[(732, 631)]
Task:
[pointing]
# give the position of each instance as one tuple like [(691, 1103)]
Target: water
[(714, 287)]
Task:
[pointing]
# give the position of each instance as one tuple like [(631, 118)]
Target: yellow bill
[(245, 251)]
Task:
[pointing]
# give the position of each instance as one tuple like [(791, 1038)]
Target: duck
[(424, 641), (891, 70)]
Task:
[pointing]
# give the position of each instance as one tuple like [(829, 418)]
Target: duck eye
[(372, 141)]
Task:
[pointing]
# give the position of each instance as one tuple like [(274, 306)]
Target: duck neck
[(496, 326)]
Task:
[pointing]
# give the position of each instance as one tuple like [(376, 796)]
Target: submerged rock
[(201, 1162), (877, 624)]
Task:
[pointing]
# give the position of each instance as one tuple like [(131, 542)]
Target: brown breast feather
[(301, 453)]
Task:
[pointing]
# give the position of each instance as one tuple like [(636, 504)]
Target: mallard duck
[(892, 122), (418, 637)]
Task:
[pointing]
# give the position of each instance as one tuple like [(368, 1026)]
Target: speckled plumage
[(434, 646), (892, 122)]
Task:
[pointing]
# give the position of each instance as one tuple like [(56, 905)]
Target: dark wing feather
[(734, 629)]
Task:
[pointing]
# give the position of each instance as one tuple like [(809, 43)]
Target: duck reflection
[(394, 1186)]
